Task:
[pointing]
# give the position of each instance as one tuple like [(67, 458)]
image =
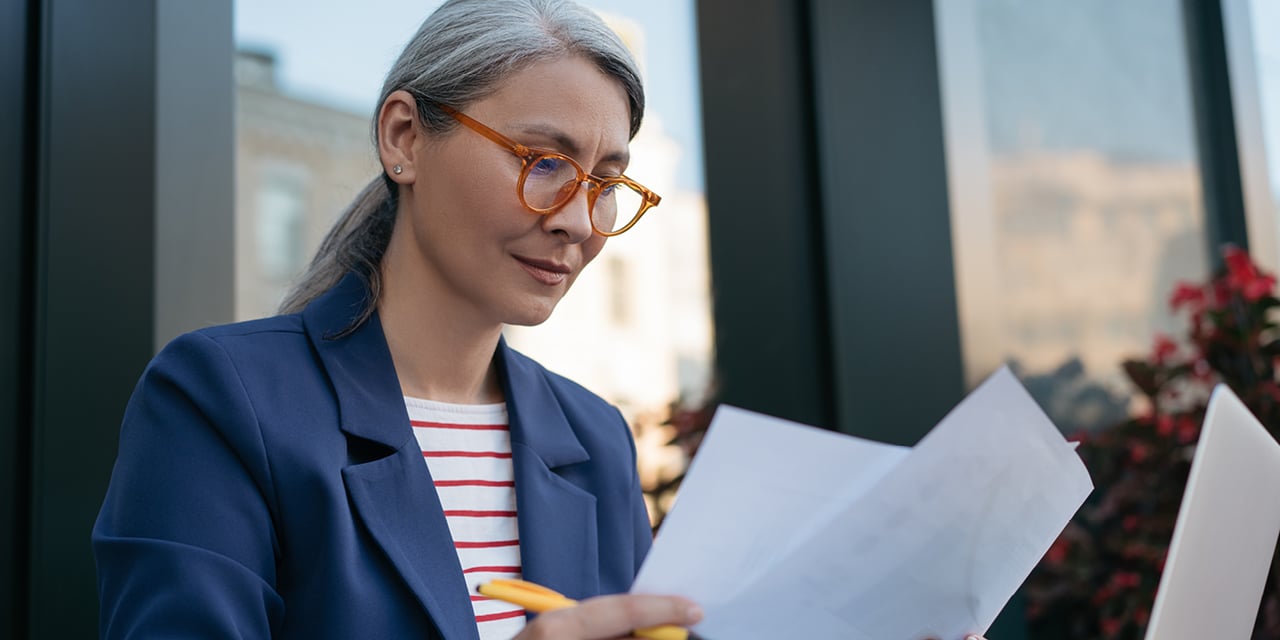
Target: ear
[(398, 136)]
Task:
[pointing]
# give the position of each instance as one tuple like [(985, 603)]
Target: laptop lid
[(1226, 530)]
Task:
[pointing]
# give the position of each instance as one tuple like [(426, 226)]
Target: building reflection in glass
[(1075, 189)]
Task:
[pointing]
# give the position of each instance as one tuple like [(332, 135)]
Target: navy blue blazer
[(269, 485)]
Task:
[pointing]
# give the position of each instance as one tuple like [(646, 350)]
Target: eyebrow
[(568, 144)]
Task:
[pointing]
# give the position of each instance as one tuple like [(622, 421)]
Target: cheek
[(489, 205), (591, 248), (468, 175), (460, 205)]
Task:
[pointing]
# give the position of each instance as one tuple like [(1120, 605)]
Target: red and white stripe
[(468, 450)]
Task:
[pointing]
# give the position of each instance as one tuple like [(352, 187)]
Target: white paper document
[(786, 531)]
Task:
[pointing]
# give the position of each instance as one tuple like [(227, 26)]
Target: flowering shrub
[(1098, 580), (686, 426)]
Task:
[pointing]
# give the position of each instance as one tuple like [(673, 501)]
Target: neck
[(439, 352)]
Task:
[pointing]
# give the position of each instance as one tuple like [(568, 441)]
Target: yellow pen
[(539, 599)]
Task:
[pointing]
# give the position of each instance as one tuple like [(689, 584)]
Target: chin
[(528, 323), (531, 316)]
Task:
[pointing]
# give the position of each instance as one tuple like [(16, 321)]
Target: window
[(1252, 30), (279, 227), (1076, 194), (1266, 40)]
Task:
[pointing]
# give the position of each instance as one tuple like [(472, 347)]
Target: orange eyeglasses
[(548, 180)]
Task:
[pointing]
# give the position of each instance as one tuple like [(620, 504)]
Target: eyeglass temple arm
[(651, 199), (481, 129)]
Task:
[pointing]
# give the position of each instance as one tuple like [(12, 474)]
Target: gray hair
[(459, 55)]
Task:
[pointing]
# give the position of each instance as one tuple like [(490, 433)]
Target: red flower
[(1164, 425), (1126, 579), (1141, 616), (1057, 552), (1259, 287), (1164, 349), (1189, 295), (1034, 609), (1188, 430), (1243, 275), (1138, 452), (1130, 523), (1237, 260), (1221, 294), (1110, 627)]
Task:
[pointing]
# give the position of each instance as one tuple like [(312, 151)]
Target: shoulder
[(231, 359), (262, 330), (253, 339), (229, 380)]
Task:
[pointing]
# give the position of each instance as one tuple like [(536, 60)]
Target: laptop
[(1226, 530)]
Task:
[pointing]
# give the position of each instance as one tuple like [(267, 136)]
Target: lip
[(547, 272)]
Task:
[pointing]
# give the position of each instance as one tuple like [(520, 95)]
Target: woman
[(271, 478)]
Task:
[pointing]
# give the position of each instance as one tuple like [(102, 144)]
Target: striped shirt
[(468, 451)]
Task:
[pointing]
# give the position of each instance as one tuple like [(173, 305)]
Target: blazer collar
[(559, 547), (395, 496), (359, 364), (537, 417), (392, 494), (369, 397)]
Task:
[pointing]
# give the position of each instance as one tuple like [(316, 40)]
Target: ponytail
[(356, 243)]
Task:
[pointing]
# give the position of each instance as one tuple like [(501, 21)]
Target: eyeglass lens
[(551, 181)]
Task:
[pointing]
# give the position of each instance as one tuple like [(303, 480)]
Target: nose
[(573, 220)]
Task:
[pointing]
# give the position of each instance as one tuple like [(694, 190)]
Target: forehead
[(568, 94)]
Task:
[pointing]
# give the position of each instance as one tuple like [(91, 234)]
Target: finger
[(608, 617)]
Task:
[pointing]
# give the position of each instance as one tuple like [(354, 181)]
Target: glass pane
[(1076, 190), (300, 158), (637, 326), (1265, 20)]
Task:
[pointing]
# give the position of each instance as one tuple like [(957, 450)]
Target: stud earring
[(397, 170)]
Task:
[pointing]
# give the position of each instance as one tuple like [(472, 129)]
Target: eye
[(546, 165)]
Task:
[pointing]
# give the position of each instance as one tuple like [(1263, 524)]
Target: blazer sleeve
[(185, 544)]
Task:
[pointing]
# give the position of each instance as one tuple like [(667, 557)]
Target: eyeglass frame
[(528, 157)]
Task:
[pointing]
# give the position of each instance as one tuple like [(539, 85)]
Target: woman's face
[(480, 250)]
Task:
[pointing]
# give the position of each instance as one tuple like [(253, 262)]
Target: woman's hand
[(614, 617), (610, 617)]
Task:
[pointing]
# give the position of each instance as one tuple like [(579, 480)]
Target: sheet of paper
[(789, 536), (748, 461)]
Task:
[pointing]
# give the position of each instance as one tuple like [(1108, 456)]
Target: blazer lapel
[(393, 495), (558, 544)]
